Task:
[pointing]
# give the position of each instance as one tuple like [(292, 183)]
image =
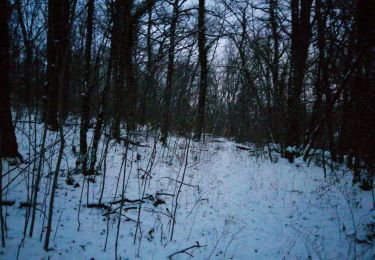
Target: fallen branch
[(149, 197), (109, 212), (183, 183), (7, 203), (184, 251), (165, 194), (243, 148), (26, 205), (115, 212), (99, 206)]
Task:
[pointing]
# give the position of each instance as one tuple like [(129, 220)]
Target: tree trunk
[(203, 70), (28, 53), (278, 91), (62, 47), (85, 112), (363, 94), (126, 18), (124, 33), (100, 117), (118, 64), (57, 41), (149, 76), (301, 34), (128, 39), (8, 142), (170, 72)]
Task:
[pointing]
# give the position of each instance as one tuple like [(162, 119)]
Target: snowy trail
[(271, 211), (241, 202), (245, 208)]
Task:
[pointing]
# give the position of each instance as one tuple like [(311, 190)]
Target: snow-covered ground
[(232, 204)]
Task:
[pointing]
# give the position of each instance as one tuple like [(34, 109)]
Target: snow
[(236, 205), (291, 149)]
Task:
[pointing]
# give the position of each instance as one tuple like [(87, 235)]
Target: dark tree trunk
[(127, 39), (330, 126), (278, 91), (62, 49), (203, 70), (322, 76), (149, 76), (85, 112), (170, 72), (301, 34), (363, 93), (321, 65), (57, 42), (126, 15), (8, 142), (28, 54), (118, 64), (100, 117)]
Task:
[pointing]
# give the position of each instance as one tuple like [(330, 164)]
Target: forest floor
[(233, 205)]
